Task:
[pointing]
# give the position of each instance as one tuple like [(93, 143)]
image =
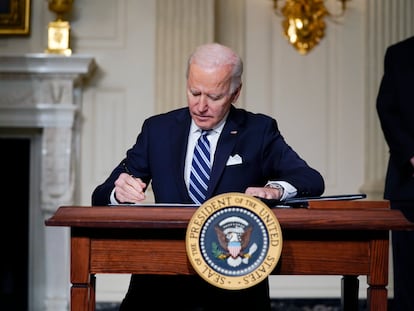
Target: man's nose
[(203, 103)]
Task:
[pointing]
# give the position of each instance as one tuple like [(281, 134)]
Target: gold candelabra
[(59, 30)]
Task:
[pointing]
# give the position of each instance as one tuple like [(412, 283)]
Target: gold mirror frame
[(303, 23), (15, 17)]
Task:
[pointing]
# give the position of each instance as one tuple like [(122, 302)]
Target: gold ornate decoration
[(59, 30), (233, 241), (303, 23)]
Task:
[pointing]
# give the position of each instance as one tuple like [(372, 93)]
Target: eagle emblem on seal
[(233, 235)]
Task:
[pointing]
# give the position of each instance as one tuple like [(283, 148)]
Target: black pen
[(130, 174), (127, 169)]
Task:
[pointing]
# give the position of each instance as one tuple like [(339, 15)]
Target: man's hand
[(129, 189), (265, 192)]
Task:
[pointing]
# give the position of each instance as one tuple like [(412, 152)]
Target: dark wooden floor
[(279, 305)]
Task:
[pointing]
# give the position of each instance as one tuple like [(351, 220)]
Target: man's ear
[(236, 94)]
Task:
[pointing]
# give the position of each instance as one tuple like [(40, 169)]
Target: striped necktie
[(200, 169)]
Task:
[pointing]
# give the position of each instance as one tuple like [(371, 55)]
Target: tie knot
[(205, 132)]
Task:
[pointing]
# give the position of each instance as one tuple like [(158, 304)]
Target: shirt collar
[(217, 129)]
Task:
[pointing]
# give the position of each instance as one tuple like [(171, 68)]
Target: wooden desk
[(348, 238)]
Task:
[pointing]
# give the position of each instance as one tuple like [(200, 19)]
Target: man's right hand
[(129, 189)]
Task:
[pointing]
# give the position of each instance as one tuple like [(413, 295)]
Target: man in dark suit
[(395, 106), (248, 154)]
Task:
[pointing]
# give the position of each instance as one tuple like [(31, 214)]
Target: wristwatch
[(276, 186)]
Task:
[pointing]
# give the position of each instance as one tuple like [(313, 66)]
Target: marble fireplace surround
[(40, 99)]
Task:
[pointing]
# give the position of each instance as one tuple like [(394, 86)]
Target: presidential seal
[(233, 241)]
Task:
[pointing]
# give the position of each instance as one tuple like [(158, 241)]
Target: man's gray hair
[(215, 54)]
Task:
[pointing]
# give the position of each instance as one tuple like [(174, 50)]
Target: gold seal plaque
[(233, 241)]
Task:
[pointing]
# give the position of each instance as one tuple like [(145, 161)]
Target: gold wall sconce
[(303, 23)]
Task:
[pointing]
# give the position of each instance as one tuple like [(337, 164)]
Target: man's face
[(208, 94)]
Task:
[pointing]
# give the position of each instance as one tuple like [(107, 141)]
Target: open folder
[(304, 201)]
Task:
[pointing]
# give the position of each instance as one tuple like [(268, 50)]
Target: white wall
[(315, 103)]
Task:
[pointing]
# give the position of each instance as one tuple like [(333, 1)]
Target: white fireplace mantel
[(42, 94), (42, 90)]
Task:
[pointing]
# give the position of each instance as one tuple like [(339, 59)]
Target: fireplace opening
[(14, 232)]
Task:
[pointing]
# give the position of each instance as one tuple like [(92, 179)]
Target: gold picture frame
[(14, 17)]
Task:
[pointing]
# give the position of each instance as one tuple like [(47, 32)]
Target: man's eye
[(215, 97), (212, 97)]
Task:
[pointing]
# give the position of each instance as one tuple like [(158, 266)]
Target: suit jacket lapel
[(178, 145), (225, 146)]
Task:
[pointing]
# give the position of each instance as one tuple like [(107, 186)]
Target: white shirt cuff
[(113, 199), (288, 190)]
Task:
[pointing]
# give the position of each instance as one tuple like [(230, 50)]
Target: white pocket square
[(234, 160)]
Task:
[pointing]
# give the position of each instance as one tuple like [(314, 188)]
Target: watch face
[(275, 186), (234, 241)]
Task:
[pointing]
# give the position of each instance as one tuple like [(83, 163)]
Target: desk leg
[(83, 283), (92, 293), (350, 287), (377, 299), (377, 296)]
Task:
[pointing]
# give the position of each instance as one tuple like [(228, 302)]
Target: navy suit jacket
[(158, 156), (395, 106)]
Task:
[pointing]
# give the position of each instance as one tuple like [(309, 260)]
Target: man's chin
[(204, 123)]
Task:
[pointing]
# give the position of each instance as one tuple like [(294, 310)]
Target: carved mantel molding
[(43, 93)]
